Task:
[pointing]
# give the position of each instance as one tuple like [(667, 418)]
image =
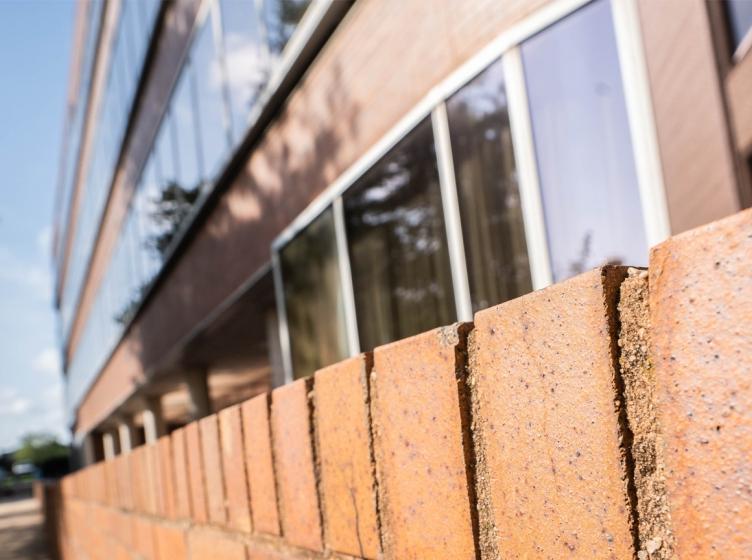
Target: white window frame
[(505, 46)]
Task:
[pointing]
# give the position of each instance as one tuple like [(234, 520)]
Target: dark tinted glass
[(397, 244), (739, 14), (492, 228), (588, 181), (313, 297)]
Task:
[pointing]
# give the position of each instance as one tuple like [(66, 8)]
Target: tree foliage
[(40, 448)]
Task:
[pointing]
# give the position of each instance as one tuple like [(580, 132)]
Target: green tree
[(39, 448)]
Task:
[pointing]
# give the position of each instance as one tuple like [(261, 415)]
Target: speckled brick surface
[(552, 477), (348, 486), (701, 316), (424, 491)]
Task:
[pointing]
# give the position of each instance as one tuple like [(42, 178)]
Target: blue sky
[(35, 40)]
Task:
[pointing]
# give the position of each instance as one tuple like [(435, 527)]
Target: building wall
[(383, 59), (351, 96)]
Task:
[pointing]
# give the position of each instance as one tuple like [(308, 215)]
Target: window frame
[(642, 131)]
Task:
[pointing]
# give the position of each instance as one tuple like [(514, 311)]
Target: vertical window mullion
[(345, 273), (450, 205), (646, 154), (284, 333), (524, 153)]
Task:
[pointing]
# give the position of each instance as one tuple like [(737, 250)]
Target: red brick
[(215, 486), (170, 543), (701, 346), (233, 461), (551, 471), (348, 488), (294, 462), (211, 544), (419, 446), (197, 490), (166, 478), (259, 464), (182, 481)]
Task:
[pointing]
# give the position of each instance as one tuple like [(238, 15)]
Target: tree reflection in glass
[(487, 190), (313, 297), (397, 244)]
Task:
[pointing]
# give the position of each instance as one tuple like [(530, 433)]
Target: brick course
[(554, 467)]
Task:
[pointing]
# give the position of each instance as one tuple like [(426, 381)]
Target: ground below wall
[(608, 416)]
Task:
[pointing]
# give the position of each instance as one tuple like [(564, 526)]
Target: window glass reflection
[(584, 150), (313, 297), (492, 228), (281, 17), (210, 103), (246, 59), (397, 244), (739, 13)]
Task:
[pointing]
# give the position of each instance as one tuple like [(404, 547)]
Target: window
[(397, 244), (739, 14), (487, 192), (246, 58), (281, 18), (211, 108), (313, 297), (587, 175)]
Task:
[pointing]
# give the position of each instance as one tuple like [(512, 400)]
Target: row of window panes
[(93, 16), (136, 21), (225, 69), (393, 216)]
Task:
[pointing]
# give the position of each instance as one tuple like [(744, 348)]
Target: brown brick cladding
[(513, 437)]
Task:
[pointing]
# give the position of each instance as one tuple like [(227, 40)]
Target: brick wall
[(609, 416)]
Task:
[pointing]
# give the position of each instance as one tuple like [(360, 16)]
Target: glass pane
[(246, 58), (487, 191), (313, 297), (397, 244), (281, 18), (213, 128), (589, 187), (740, 19), (186, 137)]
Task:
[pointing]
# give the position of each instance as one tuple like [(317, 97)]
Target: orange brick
[(197, 490), (182, 481), (348, 489), (259, 464), (294, 461), (701, 347), (170, 543), (551, 472), (166, 478), (153, 490), (210, 544), (138, 479), (215, 486), (233, 461), (125, 490), (143, 537), (419, 446)]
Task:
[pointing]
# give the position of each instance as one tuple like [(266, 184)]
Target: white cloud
[(16, 271), (47, 362), (44, 238), (12, 404)]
